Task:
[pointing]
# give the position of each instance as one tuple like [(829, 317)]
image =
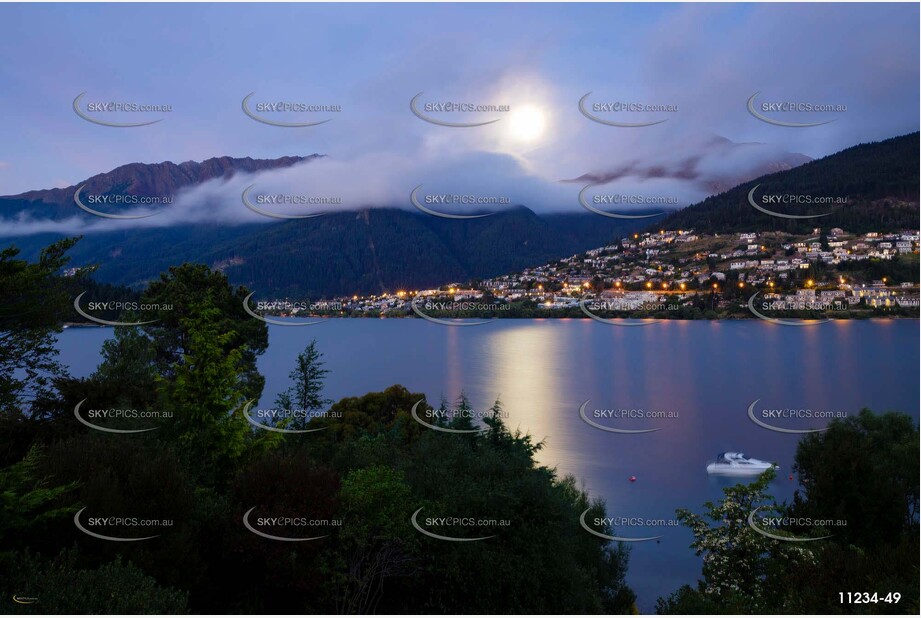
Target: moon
[(527, 123)]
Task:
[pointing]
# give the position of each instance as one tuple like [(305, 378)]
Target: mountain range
[(385, 249)]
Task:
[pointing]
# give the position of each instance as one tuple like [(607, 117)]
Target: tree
[(206, 393), (737, 560), (32, 306), (128, 357), (27, 499), (60, 586), (184, 293), (378, 543), (862, 470), (304, 397)]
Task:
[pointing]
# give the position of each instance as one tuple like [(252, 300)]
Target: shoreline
[(67, 325)]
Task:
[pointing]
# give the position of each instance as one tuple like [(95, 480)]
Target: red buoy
[(633, 479), (791, 477)]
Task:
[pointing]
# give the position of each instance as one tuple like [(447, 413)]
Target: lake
[(703, 374)]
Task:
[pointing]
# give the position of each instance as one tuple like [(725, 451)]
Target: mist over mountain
[(376, 247), (879, 181), (711, 165), (164, 179)]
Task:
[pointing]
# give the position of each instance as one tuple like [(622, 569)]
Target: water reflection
[(527, 371)]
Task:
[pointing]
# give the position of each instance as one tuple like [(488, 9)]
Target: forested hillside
[(879, 180)]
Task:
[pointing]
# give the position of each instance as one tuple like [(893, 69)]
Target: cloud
[(706, 59)]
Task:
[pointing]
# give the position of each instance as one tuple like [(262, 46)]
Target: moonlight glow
[(527, 123)]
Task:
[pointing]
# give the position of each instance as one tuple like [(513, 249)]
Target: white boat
[(738, 464)]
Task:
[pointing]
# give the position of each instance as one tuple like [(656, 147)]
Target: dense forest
[(880, 181), (342, 254)]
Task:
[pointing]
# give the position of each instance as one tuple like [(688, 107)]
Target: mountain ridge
[(879, 179)]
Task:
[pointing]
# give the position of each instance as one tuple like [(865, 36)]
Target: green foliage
[(128, 359), (377, 542), (736, 558), (206, 394), (862, 470), (32, 305), (304, 399), (181, 300), (61, 586), (28, 500)]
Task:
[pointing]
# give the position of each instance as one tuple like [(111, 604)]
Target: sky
[(371, 60)]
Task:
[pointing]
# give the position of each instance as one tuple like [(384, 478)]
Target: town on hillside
[(827, 269)]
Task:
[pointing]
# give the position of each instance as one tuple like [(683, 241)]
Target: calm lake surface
[(706, 373)]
